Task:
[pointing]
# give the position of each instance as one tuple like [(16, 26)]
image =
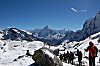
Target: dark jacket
[(79, 54)]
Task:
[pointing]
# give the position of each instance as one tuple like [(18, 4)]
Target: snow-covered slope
[(81, 45), (13, 52)]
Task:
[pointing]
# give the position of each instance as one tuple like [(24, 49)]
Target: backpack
[(94, 51)]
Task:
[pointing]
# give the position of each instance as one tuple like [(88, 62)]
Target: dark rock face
[(42, 58), (39, 57)]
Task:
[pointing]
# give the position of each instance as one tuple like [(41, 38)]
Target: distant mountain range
[(53, 37), (17, 34)]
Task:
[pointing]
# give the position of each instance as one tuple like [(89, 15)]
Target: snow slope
[(13, 53), (81, 45)]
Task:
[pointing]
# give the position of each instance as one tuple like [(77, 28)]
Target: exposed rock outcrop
[(46, 58)]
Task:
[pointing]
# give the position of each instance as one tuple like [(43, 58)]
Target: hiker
[(64, 56), (71, 57), (92, 53), (79, 54), (61, 57), (67, 55)]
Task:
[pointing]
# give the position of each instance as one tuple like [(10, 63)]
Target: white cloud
[(83, 10), (77, 11), (74, 10)]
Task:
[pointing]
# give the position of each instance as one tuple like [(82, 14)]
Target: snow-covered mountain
[(91, 26), (49, 35), (17, 34), (47, 31)]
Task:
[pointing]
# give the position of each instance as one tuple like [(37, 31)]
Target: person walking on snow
[(71, 57), (61, 57), (79, 54), (67, 57), (92, 53)]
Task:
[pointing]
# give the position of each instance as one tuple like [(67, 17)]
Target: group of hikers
[(69, 56)]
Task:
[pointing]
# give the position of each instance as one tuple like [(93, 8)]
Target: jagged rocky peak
[(88, 23), (92, 25), (97, 17), (46, 27)]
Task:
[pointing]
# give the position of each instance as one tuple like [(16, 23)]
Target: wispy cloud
[(77, 11), (83, 10), (74, 10)]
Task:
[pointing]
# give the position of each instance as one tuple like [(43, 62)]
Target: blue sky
[(58, 14)]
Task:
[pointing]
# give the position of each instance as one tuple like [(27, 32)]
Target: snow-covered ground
[(13, 53)]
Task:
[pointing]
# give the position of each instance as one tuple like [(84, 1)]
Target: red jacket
[(92, 50)]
